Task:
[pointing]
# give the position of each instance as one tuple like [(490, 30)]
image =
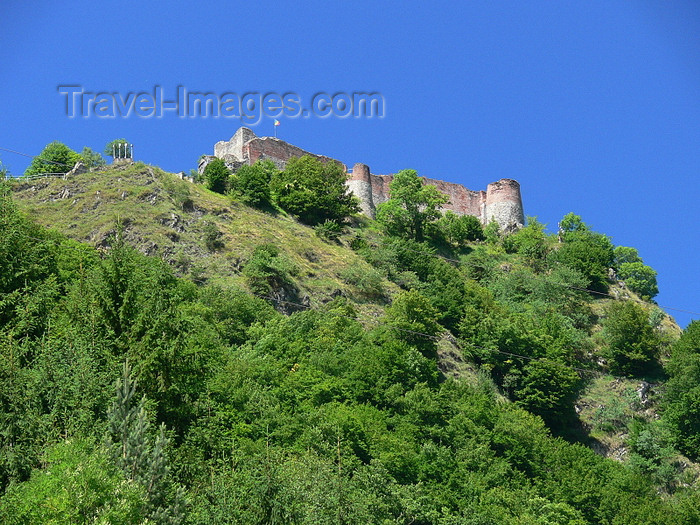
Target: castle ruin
[(501, 202)]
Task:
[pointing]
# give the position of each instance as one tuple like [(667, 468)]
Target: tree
[(458, 230), (632, 345), (625, 254), (414, 319), (412, 206), (589, 252), (548, 389), (530, 241), (216, 176), (252, 183), (92, 159), (118, 147), (139, 456), (78, 485), (638, 277), (314, 191), (572, 223), (682, 400), (56, 157)]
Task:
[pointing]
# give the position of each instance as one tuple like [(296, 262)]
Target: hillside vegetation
[(173, 355)]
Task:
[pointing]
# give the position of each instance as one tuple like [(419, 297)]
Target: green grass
[(166, 216)]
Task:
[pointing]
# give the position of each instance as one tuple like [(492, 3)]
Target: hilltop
[(202, 234), (503, 375)]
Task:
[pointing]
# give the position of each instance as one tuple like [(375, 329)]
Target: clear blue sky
[(593, 106)]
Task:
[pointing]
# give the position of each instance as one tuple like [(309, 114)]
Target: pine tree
[(140, 456)]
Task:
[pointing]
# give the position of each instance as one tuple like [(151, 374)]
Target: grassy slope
[(166, 216)]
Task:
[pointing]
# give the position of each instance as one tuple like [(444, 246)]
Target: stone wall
[(504, 204), (500, 202), (278, 151), (235, 146), (360, 184)]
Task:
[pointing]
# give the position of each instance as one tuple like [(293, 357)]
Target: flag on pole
[(277, 122)]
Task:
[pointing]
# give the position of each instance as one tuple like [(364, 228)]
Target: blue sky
[(593, 106)]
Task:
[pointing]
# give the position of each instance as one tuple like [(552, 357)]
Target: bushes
[(682, 401), (252, 183), (314, 191), (56, 157), (459, 230), (329, 230), (368, 281), (584, 250), (412, 208), (632, 344), (268, 269), (216, 176), (638, 277), (212, 236)]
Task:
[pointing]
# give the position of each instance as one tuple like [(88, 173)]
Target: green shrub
[(268, 269), (56, 157), (459, 230), (314, 191), (212, 236), (329, 230), (216, 176), (368, 281), (412, 208), (632, 344), (252, 183)]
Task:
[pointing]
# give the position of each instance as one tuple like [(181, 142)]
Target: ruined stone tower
[(360, 184), (501, 202)]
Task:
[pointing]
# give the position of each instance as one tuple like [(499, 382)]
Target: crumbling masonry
[(501, 202)]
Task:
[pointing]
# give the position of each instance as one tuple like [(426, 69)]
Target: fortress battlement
[(501, 201)]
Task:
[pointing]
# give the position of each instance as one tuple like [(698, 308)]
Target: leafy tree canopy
[(56, 157), (632, 345), (458, 230), (639, 277), (412, 206), (314, 191), (252, 183), (92, 159), (216, 176), (584, 250)]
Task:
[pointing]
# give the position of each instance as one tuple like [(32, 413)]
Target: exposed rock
[(77, 169)]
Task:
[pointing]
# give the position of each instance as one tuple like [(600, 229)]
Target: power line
[(35, 156)]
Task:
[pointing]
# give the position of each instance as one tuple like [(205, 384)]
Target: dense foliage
[(128, 394), (56, 157), (216, 176), (683, 392), (314, 191), (252, 183), (413, 206), (639, 277)]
